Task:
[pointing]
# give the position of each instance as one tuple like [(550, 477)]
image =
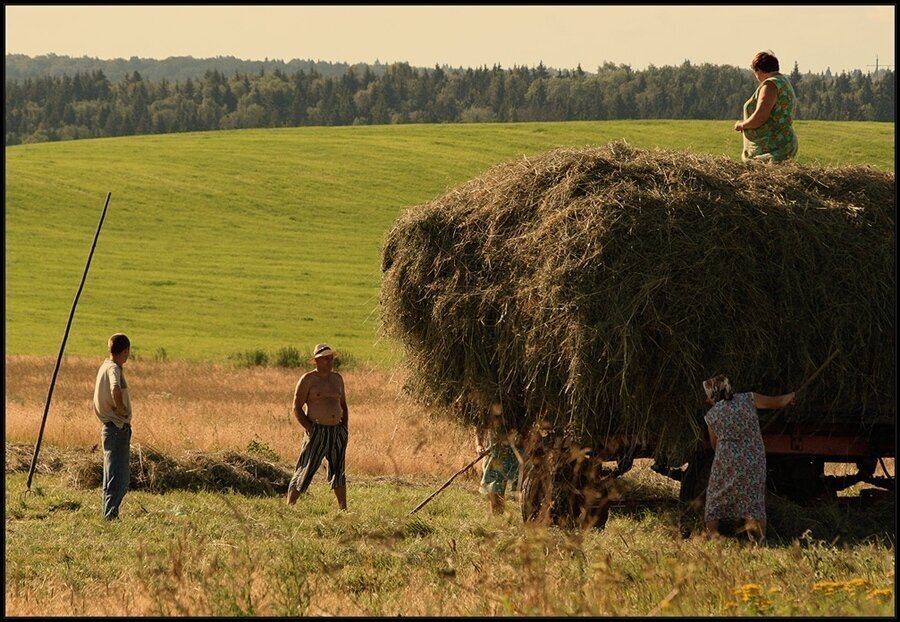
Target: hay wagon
[(585, 294), (797, 453), (571, 483)]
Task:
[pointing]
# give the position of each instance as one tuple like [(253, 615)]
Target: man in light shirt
[(112, 406)]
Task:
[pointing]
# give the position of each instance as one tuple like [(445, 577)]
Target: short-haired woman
[(768, 120), (737, 480)]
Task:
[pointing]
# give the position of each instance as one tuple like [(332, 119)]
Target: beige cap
[(323, 349)]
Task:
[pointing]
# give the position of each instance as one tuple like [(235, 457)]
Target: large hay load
[(595, 289)]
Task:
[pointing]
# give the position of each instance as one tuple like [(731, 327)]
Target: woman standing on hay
[(768, 125), (737, 480)]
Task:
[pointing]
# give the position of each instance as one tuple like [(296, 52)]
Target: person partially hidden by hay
[(320, 405), (501, 464), (737, 480)]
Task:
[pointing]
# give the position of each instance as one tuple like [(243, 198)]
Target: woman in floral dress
[(768, 119), (737, 480)]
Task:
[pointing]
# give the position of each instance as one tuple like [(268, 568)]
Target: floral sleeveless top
[(775, 140)]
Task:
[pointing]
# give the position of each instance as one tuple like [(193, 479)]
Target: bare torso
[(323, 397)]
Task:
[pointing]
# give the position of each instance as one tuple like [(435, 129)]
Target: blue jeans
[(116, 467)]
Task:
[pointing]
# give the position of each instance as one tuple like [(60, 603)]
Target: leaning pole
[(62, 347)]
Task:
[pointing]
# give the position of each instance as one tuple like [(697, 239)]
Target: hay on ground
[(222, 471), (595, 289), (19, 457)]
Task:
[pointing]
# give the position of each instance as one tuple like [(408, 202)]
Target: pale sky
[(842, 38)]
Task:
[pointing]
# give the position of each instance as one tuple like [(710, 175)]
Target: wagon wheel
[(556, 490), (533, 498), (692, 493), (695, 480), (799, 478)]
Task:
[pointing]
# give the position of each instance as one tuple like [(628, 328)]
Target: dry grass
[(182, 406), (185, 409), (188, 554)]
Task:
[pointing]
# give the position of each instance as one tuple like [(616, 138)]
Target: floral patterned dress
[(774, 140), (737, 481)]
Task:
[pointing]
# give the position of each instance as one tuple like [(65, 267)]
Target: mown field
[(232, 242), (222, 554), (178, 551), (225, 242)]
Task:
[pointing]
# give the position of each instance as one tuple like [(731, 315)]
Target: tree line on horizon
[(20, 67), (87, 104)]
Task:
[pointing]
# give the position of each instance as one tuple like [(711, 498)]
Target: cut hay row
[(595, 289), (153, 471)]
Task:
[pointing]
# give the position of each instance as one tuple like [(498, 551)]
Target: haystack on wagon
[(583, 295)]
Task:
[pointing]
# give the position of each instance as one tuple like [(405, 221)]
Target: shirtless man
[(325, 421)]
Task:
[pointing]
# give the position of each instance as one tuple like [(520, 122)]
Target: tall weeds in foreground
[(189, 554), (229, 582), (222, 554)]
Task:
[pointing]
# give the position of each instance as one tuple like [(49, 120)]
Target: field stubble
[(209, 553), (185, 406)]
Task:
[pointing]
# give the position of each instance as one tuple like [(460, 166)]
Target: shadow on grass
[(846, 520)]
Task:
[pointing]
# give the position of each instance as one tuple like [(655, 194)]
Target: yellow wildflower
[(884, 593), (752, 588), (853, 584), (826, 586), (748, 591)]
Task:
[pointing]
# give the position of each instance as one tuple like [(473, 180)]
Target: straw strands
[(595, 289)]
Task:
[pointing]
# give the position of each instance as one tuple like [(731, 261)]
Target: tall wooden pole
[(62, 347)]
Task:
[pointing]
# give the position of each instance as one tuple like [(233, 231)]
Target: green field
[(224, 242), (222, 554)]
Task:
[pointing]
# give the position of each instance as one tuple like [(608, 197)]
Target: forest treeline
[(87, 104), (175, 68)]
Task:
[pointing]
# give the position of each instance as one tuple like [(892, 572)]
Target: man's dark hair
[(118, 343)]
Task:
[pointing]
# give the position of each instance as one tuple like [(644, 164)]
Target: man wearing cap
[(324, 418)]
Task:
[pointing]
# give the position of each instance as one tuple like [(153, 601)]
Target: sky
[(840, 38)]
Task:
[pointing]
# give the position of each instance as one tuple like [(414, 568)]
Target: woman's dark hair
[(764, 61), (118, 343)]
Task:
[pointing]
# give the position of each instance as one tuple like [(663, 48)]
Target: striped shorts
[(327, 442)]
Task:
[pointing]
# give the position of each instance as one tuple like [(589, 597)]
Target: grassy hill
[(224, 242)]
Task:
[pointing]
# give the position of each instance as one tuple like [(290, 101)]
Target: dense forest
[(175, 68), (88, 104)]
